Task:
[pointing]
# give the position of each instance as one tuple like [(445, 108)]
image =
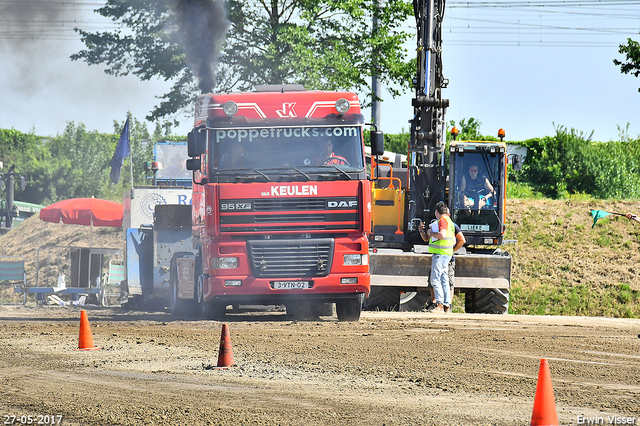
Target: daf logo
[(342, 204)]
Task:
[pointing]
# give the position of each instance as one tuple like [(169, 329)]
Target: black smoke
[(202, 26), (34, 42)]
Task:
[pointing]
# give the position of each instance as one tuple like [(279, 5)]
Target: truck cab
[(281, 201), (477, 190)]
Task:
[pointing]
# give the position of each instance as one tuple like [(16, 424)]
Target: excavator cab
[(477, 190)]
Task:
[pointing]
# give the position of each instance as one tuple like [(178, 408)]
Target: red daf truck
[(281, 204)]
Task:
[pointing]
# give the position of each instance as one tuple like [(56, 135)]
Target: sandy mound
[(33, 236)]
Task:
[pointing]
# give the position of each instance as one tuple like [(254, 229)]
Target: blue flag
[(122, 151)]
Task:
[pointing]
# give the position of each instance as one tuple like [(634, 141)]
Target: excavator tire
[(487, 301), (383, 299), (414, 301)]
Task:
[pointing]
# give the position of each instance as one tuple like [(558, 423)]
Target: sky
[(525, 66)]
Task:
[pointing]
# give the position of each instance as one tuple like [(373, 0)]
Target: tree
[(468, 130), (81, 160), (631, 65), (325, 44), (557, 166)]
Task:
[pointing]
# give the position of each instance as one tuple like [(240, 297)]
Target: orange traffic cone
[(225, 356), (544, 405), (85, 342)]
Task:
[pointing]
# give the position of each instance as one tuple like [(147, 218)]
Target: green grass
[(617, 301), (522, 190), (564, 266)]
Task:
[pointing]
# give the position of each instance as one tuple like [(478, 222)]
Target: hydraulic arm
[(426, 178)]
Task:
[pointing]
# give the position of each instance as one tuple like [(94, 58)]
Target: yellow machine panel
[(387, 209)]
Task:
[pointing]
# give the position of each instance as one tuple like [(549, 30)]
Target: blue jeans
[(440, 278)]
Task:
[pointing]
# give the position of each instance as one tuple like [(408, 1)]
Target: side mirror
[(377, 142), (516, 162), (194, 164), (196, 143)]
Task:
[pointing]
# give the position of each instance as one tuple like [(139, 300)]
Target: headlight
[(355, 259), (224, 262), (342, 106), (230, 108)]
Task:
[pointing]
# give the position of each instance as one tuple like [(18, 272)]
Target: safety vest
[(336, 159), (444, 246)]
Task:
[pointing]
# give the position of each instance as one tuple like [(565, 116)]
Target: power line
[(542, 3), (547, 27), (504, 24)]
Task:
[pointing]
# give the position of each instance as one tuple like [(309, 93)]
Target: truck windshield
[(475, 201), (326, 147)]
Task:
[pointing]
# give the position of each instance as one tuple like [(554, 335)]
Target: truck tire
[(177, 306), (212, 310), (349, 309), (487, 301), (180, 308), (383, 299), (414, 301)]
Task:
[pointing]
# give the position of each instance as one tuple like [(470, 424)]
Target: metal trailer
[(157, 227)]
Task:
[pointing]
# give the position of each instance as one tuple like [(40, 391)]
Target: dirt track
[(387, 369)]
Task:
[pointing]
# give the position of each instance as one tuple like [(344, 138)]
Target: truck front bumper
[(245, 289)]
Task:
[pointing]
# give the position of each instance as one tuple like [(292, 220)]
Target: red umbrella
[(84, 211)]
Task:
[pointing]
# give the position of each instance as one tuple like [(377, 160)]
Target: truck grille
[(290, 214), (290, 258), (292, 204)]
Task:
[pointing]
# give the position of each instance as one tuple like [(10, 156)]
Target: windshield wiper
[(260, 173), (302, 173), (342, 171)]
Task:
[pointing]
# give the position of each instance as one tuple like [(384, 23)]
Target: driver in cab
[(327, 157), (475, 189), (234, 159)]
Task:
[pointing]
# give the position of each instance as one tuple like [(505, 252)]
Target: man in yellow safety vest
[(441, 243)]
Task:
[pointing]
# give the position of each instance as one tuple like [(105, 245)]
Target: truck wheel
[(487, 301), (413, 301), (176, 305), (180, 308), (349, 309), (212, 310), (383, 299), (207, 309)]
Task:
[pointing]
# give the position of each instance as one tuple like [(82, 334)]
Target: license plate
[(467, 227), (289, 285)]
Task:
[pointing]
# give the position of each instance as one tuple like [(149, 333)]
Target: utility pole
[(376, 87), (9, 179)]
